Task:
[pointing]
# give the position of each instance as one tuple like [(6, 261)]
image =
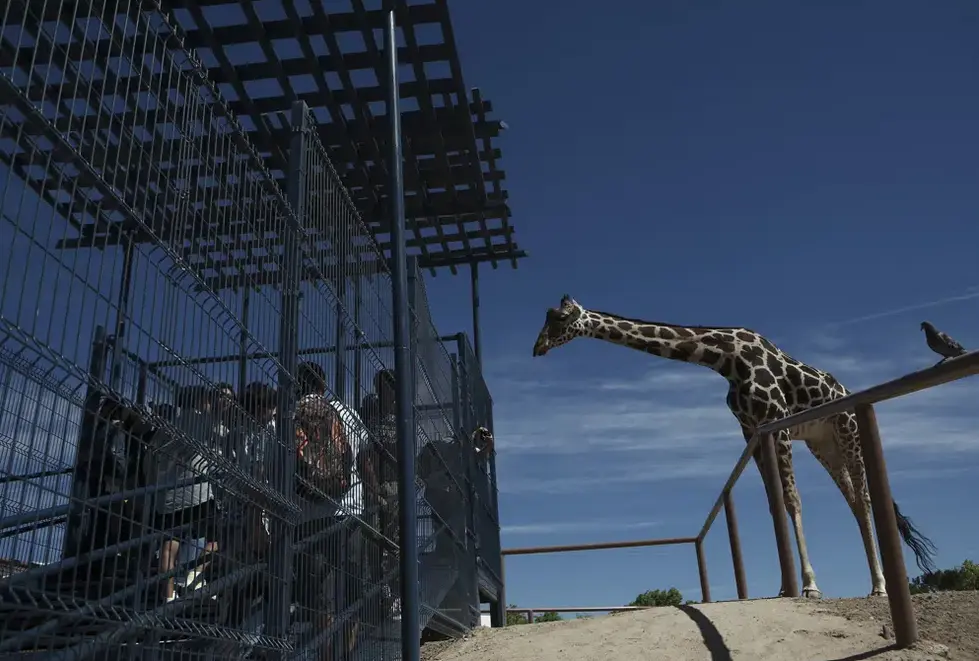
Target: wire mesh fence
[(197, 448)]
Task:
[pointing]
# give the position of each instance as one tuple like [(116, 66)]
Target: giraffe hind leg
[(858, 499)]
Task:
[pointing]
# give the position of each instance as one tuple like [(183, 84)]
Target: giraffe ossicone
[(765, 385)]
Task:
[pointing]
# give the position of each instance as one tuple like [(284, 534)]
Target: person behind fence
[(323, 475), (347, 521), (378, 465), (253, 437), (442, 466), (189, 510)]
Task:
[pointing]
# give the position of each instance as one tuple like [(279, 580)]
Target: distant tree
[(516, 617), (671, 597), (583, 616), (963, 577)]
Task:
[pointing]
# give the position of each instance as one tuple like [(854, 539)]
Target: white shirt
[(352, 502)]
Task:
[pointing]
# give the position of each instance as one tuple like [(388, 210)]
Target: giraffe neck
[(712, 347)]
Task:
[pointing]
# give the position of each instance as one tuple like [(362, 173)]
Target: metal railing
[(531, 612), (885, 520)]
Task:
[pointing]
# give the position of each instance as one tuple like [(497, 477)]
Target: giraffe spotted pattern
[(765, 384)]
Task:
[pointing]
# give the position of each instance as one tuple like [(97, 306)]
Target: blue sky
[(806, 171)]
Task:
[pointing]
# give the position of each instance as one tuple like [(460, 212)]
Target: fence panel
[(447, 571), (477, 410), (196, 439)]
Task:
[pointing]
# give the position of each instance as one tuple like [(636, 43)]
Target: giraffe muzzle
[(540, 348)]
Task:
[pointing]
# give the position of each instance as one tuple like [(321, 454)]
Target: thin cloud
[(620, 434), (618, 475), (561, 527), (968, 295)]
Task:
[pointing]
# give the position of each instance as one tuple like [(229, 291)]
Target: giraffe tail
[(923, 548)]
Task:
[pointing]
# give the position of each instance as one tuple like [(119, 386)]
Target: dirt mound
[(762, 630), (951, 618)]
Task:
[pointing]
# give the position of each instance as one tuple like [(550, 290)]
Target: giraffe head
[(561, 325)]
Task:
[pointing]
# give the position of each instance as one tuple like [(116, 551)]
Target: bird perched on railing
[(941, 343)]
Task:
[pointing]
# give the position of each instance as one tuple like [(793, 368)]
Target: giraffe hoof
[(812, 593), (878, 592)]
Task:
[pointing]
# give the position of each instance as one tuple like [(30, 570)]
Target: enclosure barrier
[(196, 443), (531, 612), (885, 522)]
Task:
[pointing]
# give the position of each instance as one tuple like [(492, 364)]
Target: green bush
[(671, 597), (964, 577), (513, 618)]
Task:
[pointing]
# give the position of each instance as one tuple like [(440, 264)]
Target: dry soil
[(761, 630)]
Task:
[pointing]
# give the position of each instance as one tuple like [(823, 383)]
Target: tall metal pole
[(477, 343), (282, 478), (407, 516)]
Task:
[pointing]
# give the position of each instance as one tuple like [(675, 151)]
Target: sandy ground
[(951, 618), (769, 629)]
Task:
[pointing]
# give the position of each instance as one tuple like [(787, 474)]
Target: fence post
[(141, 384), (702, 570), (407, 498), (498, 610), (465, 396), (735, 539), (246, 300), (885, 521), (790, 582), (79, 522), (474, 282), (283, 478), (340, 358), (359, 341)]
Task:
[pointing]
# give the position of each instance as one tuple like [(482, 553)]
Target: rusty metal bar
[(885, 521), (534, 550), (739, 467), (790, 582), (735, 539), (950, 370), (702, 570), (580, 609)]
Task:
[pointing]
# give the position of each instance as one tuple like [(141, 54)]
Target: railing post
[(790, 583), (735, 539), (498, 610), (530, 617), (885, 521), (702, 570)]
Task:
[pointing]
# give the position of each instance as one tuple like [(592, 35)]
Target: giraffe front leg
[(793, 505)]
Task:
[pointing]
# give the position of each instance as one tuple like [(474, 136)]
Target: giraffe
[(766, 384)]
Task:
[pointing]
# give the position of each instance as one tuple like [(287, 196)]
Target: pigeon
[(941, 343)]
